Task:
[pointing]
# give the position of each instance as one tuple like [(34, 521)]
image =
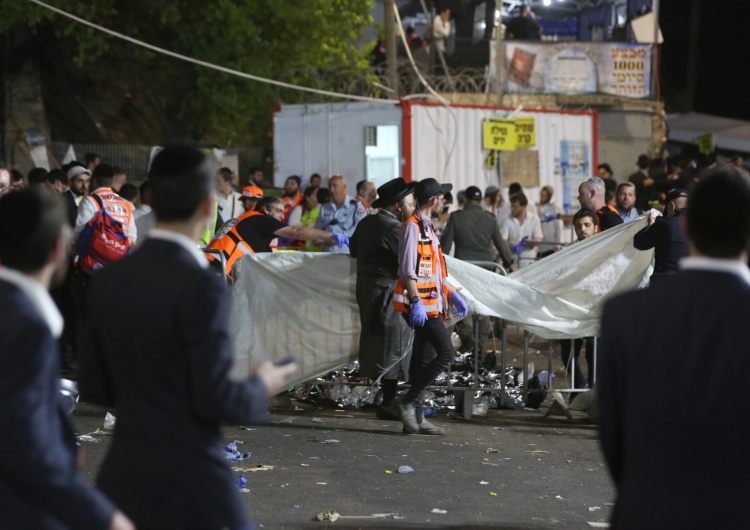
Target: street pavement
[(506, 470)]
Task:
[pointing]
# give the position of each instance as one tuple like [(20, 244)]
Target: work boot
[(407, 413), (426, 428)]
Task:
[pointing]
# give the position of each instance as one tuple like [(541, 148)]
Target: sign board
[(526, 132), (621, 69), (706, 143), (499, 134)]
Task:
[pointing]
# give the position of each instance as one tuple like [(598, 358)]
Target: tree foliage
[(267, 38)]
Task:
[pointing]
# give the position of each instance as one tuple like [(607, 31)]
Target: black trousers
[(432, 354), (571, 362)]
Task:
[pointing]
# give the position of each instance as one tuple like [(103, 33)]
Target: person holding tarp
[(253, 232), (386, 338)]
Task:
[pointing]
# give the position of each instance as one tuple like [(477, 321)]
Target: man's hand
[(418, 314), (651, 218), (549, 218), (517, 249), (340, 239), (457, 301), (274, 376), (120, 522)]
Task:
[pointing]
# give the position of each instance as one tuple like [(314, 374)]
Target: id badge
[(425, 269)]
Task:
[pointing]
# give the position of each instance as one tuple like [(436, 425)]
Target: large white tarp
[(303, 305)]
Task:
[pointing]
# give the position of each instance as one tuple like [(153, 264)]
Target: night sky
[(722, 56)]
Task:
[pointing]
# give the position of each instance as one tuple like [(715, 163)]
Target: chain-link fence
[(134, 158)]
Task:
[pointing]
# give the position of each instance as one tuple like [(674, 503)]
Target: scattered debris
[(483, 482), (327, 516), (332, 441), (241, 481), (233, 454), (259, 467), (405, 469), (598, 525), (538, 452), (491, 450), (493, 494), (438, 510), (317, 420), (87, 438), (594, 508)]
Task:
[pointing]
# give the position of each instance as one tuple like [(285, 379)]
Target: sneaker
[(407, 413), (426, 428)]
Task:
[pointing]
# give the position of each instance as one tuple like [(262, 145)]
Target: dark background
[(719, 57)]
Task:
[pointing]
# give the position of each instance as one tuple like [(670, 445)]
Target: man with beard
[(385, 340), (292, 195), (423, 294), (40, 485)]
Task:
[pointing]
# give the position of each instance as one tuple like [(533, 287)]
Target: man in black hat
[(423, 294), (665, 235), (474, 231), (174, 369), (386, 338)]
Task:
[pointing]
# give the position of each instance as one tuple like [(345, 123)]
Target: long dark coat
[(385, 334)]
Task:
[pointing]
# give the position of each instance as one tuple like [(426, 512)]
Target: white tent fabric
[(303, 305)]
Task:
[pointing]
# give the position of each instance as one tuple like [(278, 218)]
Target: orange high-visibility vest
[(427, 276), (231, 245)]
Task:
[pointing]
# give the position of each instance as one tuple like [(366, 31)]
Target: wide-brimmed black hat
[(393, 191), (429, 188)]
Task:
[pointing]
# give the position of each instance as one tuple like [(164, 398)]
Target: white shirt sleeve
[(132, 231), (537, 234), (86, 211), (295, 218)]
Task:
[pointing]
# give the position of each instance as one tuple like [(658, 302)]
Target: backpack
[(102, 241)]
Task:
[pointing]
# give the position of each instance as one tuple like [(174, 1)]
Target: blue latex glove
[(418, 314), (517, 249), (459, 303), (340, 239), (549, 218)]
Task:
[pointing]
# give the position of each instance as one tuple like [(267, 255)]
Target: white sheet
[(303, 304)]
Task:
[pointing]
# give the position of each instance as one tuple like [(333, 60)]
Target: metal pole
[(549, 364), (390, 47), (655, 69), (499, 58), (596, 352), (503, 348), (526, 374)]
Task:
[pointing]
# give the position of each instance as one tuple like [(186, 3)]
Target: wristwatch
[(414, 300)]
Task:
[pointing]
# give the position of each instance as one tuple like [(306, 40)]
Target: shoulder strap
[(98, 200)]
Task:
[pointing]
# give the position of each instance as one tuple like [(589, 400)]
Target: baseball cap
[(491, 190), (473, 193), (77, 170), (252, 192), (428, 188)]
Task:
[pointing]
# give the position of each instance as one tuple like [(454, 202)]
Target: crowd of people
[(77, 232)]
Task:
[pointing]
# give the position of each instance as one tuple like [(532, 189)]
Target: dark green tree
[(289, 40)]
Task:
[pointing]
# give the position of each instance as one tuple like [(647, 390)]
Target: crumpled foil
[(346, 388)]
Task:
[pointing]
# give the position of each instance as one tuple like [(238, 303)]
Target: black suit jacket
[(70, 203), (160, 351), (40, 486), (671, 395)]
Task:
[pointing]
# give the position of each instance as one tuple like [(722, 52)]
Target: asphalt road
[(506, 470)]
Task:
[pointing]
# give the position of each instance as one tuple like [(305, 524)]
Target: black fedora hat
[(393, 191), (428, 188)]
